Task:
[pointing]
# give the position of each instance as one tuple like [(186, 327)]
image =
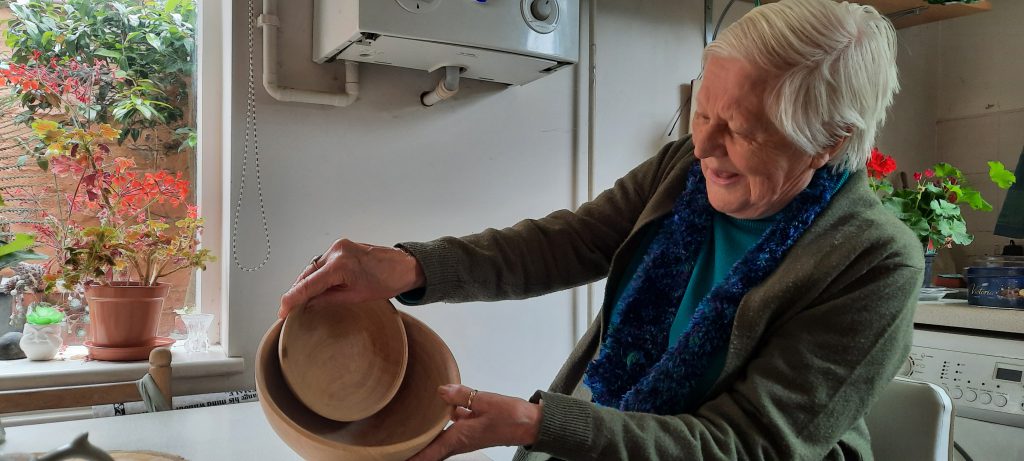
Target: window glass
[(117, 77)]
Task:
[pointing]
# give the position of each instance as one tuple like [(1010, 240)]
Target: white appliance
[(983, 372), (983, 375), (507, 41)]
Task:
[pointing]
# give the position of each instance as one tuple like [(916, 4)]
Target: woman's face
[(752, 170)]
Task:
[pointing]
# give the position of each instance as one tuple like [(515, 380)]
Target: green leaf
[(1000, 175), (944, 208), (16, 257), (959, 233), (171, 5), (20, 242), (108, 53), (43, 163), (918, 225), (973, 198), (944, 170), (155, 41), (2, 201)]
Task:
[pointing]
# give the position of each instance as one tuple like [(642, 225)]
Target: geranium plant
[(931, 205)]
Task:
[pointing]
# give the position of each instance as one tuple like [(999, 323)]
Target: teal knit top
[(731, 238)]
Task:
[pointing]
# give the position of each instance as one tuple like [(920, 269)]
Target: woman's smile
[(722, 177)]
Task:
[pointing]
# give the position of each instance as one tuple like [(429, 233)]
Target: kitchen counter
[(956, 313), (222, 433)]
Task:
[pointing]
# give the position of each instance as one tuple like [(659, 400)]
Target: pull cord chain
[(250, 126)]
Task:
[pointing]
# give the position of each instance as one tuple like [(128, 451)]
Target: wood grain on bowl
[(345, 361)]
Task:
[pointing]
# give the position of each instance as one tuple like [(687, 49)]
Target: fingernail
[(446, 389)]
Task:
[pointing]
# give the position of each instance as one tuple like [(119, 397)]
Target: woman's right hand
[(351, 272)]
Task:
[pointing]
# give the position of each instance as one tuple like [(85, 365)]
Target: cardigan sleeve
[(811, 381), (538, 256)]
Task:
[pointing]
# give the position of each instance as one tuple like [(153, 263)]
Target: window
[(81, 71)]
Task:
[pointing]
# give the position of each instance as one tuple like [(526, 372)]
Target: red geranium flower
[(880, 165)]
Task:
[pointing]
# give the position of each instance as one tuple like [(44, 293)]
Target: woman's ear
[(828, 153)]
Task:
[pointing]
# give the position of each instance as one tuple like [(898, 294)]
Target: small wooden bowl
[(414, 417), (344, 361)]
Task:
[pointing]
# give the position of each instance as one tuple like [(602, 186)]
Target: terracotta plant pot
[(402, 428), (125, 314)]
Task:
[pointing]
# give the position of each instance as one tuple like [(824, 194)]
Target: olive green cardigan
[(811, 348)]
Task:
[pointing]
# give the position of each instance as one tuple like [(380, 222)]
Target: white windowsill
[(74, 371)]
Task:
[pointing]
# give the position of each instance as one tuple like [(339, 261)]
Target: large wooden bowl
[(344, 361), (401, 429)]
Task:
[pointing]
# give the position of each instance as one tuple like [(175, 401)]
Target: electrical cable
[(721, 18), (959, 449)]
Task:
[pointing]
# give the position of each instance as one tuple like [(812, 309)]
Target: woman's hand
[(353, 272), (485, 420)]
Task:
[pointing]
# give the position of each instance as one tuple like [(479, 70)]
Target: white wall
[(962, 102), (981, 106), (646, 49), (909, 132), (387, 170)]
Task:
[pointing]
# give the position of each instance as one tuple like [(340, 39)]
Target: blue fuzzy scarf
[(634, 371)]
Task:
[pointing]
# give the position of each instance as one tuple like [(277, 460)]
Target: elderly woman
[(759, 297)]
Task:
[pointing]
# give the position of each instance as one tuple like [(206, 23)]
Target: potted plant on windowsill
[(931, 205), (120, 256)]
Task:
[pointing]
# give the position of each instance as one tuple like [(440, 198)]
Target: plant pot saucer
[(126, 354)]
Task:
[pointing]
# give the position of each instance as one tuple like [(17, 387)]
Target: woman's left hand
[(481, 420)]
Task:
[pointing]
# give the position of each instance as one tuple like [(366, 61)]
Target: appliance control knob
[(985, 398), (1000, 400), (908, 367), (956, 393), (542, 9), (971, 396)]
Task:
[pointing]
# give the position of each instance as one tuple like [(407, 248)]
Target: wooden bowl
[(346, 361), (401, 429)]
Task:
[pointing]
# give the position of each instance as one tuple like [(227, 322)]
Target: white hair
[(837, 63)]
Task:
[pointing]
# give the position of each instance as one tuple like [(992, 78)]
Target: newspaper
[(178, 403)]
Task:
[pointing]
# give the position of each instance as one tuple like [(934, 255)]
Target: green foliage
[(11, 257), (149, 43), (17, 249), (1000, 175), (931, 207), (43, 313)]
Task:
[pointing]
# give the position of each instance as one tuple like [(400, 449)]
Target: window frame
[(213, 159), (213, 195)]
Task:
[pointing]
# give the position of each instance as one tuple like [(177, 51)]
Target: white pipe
[(446, 88), (271, 26)]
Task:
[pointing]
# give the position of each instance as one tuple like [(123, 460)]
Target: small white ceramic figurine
[(41, 342)]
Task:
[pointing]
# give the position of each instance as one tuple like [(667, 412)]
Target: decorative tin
[(996, 286)]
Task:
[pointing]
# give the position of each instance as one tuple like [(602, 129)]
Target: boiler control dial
[(541, 15)]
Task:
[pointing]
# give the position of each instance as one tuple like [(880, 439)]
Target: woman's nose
[(707, 141)]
